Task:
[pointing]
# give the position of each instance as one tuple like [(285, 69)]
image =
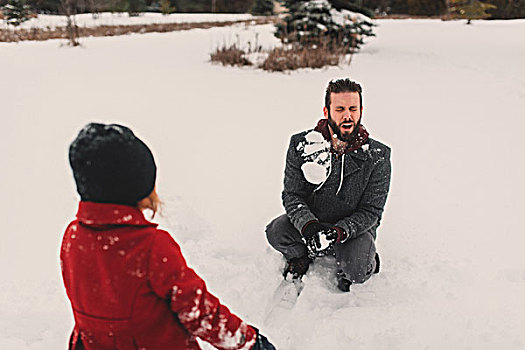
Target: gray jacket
[(353, 193)]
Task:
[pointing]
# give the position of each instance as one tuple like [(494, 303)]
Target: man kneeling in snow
[(336, 183)]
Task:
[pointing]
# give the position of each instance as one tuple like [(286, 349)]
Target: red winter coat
[(130, 287)]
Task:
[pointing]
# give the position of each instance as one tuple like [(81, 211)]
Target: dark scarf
[(360, 138)]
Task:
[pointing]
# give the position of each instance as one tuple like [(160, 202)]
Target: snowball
[(324, 242), (314, 173), (314, 136)]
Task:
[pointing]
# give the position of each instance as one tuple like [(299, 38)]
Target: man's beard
[(348, 138)]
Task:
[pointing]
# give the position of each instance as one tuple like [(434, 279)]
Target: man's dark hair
[(342, 85)]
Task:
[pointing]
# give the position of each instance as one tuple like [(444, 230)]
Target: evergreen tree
[(15, 12), (426, 7), (507, 9), (469, 9), (262, 8), (136, 7), (316, 21), (221, 6), (358, 6), (166, 8), (409, 7), (45, 6)]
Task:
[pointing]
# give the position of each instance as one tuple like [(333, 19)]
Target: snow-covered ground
[(113, 19), (447, 97)]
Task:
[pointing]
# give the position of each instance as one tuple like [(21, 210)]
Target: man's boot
[(343, 283)]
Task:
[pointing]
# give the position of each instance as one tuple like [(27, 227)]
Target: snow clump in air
[(315, 150)]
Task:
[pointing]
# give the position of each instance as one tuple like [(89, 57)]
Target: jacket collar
[(355, 148), (361, 153), (91, 213)]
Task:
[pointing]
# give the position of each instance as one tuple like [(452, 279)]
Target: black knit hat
[(111, 165)]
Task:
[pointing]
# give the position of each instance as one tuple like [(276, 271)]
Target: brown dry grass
[(283, 59), (9, 35), (230, 56)]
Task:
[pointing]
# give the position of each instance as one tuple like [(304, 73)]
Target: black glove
[(261, 342), (312, 229), (321, 237)]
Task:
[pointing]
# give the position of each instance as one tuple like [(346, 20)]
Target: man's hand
[(320, 237)]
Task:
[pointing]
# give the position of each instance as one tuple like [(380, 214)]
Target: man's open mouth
[(347, 125)]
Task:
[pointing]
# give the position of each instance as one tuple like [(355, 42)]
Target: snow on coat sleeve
[(370, 208), (199, 311), (296, 189)]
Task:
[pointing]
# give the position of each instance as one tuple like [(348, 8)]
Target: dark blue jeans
[(355, 258)]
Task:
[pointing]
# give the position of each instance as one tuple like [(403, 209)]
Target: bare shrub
[(69, 8), (293, 57), (315, 53), (234, 55), (230, 56)]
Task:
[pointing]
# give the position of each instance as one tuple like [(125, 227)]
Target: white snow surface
[(447, 97), (108, 18)]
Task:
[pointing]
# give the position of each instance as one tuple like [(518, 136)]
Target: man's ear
[(325, 112)]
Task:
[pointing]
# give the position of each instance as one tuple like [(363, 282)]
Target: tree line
[(497, 9), (94, 6)]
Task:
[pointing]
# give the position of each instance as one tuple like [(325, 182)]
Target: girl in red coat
[(128, 283)]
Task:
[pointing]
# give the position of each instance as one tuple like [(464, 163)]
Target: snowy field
[(447, 97), (113, 19)]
